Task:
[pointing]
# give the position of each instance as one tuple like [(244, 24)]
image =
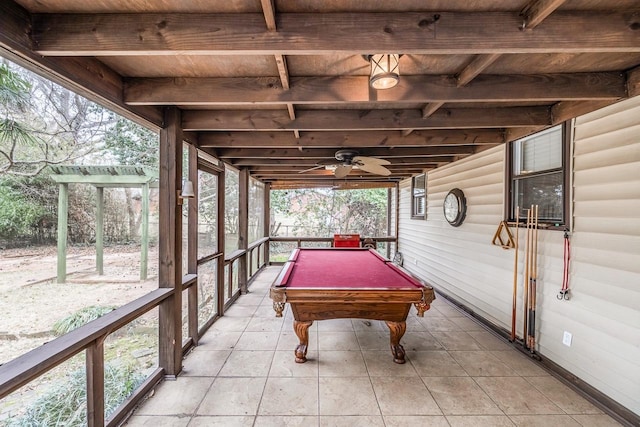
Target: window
[(538, 176), (419, 196)]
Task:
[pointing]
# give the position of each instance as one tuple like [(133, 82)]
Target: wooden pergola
[(102, 177)]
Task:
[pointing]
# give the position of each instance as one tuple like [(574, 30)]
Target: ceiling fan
[(346, 160)]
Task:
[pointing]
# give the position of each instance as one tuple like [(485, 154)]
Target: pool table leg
[(302, 331), (397, 330)]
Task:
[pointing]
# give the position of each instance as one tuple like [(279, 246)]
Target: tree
[(131, 144), (323, 212), (43, 124), (231, 208)]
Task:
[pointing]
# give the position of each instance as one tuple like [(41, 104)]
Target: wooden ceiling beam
[(352, 176), (350, 139), (363, 176), (481, 62), (468, 73), (333, 184), (314, 120), (567, 110), (317, 33), (328, 153), (429, 109), (409, 162), (537, 11), (477, 65), (269, 14), (293, 169), (633, 82), (323, 174), (355, 89)]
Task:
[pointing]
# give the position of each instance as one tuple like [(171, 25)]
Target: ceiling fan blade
[(328, 162), (363, 160), (375, 169), (311, 169), (342, 171), (322, 164)]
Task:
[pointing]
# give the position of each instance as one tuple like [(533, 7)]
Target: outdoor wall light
[(186, 192), (385, 70)]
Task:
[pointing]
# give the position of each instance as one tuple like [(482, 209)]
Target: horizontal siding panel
[(614, 243), (625, 226), (493, 157), (608, 174), (611, 279), (617, 260), (614, 210), (619, 138), (493, 301), (606, 193), (608, 119), (605, 158), (484, 185)]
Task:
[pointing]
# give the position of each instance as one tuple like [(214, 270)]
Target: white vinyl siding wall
[(604, 311)]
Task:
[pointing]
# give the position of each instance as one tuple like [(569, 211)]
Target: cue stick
[(534, 284), (515, 279), (525, 281)]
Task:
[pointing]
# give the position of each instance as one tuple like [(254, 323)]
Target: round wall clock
[(455, 207)]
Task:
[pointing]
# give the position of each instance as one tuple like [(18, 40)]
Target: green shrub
[(17, 214), (79, 318), (65, 403)]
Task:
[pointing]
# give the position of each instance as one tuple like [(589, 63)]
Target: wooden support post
[(95, 384), (389, 200), (100, 230), (63, 211), (170, 243), (397, 218), (221, 243), (192, 245), (243, 228), (144, 250), (267, 220)]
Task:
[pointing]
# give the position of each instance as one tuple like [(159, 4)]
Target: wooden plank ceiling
[(277, 86)]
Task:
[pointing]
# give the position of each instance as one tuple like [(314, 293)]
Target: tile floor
[(457, 374)]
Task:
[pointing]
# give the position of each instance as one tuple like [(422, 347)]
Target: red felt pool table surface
[(344, 268)]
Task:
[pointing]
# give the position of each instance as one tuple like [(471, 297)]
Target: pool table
[(338, 283)]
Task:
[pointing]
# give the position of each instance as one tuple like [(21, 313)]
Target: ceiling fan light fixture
[(385, 70)]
